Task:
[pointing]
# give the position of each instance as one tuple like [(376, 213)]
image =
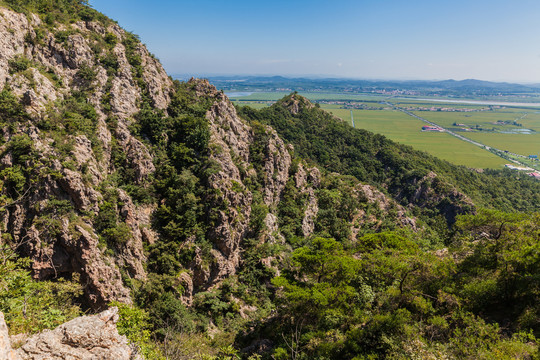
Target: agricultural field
[(405, 129), (496, 133), (495, 126)]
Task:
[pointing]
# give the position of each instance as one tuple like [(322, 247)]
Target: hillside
[(212, 228)]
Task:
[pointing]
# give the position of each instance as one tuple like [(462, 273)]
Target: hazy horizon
[(391, 40), (344, 77)]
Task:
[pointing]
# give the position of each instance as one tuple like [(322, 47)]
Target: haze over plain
[(489, 40)]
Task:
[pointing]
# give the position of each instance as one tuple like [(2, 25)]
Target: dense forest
[(279, 233)]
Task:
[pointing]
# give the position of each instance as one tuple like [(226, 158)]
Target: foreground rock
[(6, 353), (86, 337)]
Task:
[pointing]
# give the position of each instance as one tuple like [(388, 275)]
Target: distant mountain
[(444, 87)]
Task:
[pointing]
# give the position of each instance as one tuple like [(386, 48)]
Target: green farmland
[(407, 130), (487, 123)]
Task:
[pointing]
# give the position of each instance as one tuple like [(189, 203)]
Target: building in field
[(431, 128)]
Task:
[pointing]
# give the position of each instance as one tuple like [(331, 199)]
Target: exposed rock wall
[(276, 168), (307, 180), (432, 192), (230, 137)]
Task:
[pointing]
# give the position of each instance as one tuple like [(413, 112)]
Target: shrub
[(19, 64)]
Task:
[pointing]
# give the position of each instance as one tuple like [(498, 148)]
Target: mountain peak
[(295, 103)]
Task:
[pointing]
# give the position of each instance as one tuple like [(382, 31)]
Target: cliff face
[(45, 68)]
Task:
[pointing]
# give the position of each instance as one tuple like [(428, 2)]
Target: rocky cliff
[(94, 75)]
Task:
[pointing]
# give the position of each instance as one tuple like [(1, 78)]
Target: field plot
[(407, 130), (514, 130)]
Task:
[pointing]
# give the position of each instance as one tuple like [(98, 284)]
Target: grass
[(524, 144), (407, 130), (519, 144)]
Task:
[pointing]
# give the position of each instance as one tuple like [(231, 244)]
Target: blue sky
[(370, 39)]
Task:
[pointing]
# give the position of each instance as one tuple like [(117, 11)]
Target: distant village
[(365, 105), (532, 173), (451, 109)]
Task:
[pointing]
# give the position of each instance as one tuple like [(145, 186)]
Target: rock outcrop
[(6, 352), (307, 180), (85, 337), (276, 168), (230, 137), (384, 204), (432, 192)]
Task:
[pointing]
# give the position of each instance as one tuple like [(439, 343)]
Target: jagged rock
[(276, 168), (272, 229), (306, 182), (433, 192), (36, 93), (155, 78), (77, 251), (13, 28), (6, 352), (384, 203), (84, 156), (125, 93), (294, 103), (232, 136), (312, 208), (84, 197), (86, 337), (132, 253), (137, 154), (186, 281)]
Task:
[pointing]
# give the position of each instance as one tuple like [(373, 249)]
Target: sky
[(495, 40)]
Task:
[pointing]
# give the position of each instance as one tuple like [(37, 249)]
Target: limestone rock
[(384, 203), (132, 253), (87, 337), (306, 182), (231, 136), (6, 352), (433, 192), (84, 197), (276, 168), (295, 103)]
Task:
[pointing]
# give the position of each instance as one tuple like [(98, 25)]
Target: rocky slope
[(79, 167), (44, 67)]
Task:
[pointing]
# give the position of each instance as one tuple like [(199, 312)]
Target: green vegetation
[(387, 298), (388, 292), (62, 11), (30, 305), (440, 276)]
